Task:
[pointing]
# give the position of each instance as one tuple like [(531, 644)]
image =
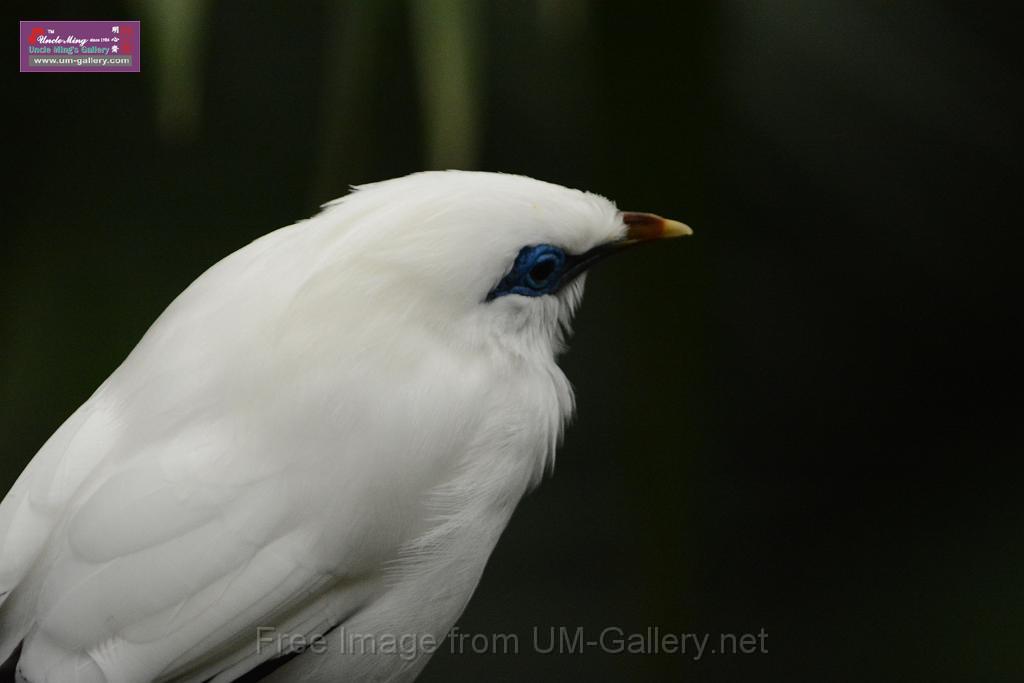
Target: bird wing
[(153, 573), (149, 543), (31, 509), (229, 476)]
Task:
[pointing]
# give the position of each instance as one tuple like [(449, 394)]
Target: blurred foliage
[(801, 419), (179, 48), (447, 35)]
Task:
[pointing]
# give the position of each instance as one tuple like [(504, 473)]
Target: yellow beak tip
[(675, 229), (648, 226)]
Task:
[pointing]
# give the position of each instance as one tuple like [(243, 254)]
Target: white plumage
[(331, 426)]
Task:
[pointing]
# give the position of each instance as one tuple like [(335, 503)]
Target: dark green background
[(802, 419)]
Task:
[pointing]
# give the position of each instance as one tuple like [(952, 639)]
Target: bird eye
[(537, 271), (542, 271)]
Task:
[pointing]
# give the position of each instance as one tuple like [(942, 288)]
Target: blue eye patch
[(537, 270)]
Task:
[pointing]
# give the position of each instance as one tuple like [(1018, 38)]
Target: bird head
[(487, 256)]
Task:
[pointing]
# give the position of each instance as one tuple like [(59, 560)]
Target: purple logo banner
[(96, 46)]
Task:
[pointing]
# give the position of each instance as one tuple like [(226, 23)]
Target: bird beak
[(641, 227)]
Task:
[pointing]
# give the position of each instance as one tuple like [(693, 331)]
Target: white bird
[(329, 428)]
